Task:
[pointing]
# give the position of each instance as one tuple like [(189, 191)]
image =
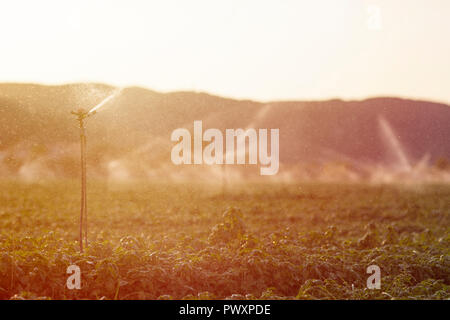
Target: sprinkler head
[(82, 114)]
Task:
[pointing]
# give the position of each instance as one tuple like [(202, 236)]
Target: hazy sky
[(264, 50)]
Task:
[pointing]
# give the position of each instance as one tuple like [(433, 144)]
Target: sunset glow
[(263, 50)]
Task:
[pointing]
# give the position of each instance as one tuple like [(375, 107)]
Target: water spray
[(82, 116), (394, 144)]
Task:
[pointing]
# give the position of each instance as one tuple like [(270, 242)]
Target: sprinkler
[(82, 115)]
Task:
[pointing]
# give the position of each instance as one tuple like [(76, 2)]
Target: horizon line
[(218, 95)]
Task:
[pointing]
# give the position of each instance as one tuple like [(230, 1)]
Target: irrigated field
[(270, 242)]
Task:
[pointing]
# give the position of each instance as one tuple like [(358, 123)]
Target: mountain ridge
[(361, 132)]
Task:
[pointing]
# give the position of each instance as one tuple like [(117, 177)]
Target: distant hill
[(39, 136)]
